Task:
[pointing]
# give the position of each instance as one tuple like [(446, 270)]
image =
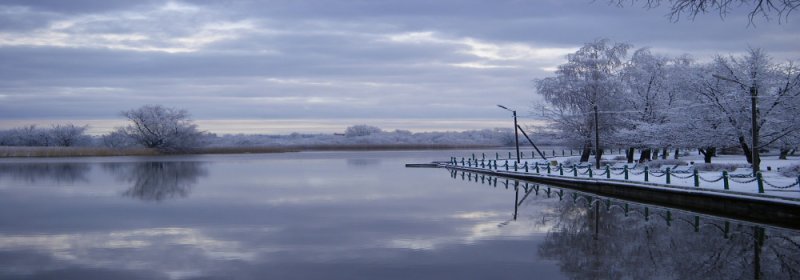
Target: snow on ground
[(775, 184)]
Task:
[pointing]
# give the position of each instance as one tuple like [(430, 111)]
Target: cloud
[(321, 59)]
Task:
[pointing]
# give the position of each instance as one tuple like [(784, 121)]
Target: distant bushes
[(61, 135)]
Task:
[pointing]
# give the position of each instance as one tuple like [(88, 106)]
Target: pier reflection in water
[(594, 237)]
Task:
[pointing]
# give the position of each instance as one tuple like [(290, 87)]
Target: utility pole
[(754, 153), (596, 138)]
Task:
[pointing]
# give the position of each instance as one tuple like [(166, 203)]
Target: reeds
[(7, 151)]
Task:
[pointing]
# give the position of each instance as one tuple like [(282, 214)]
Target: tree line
[(650, 101)]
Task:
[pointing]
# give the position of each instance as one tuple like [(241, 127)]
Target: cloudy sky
[(320, 65)]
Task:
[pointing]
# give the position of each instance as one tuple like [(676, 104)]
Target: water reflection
[(593, 237), (157, 181), (363, 162), (33, 172)]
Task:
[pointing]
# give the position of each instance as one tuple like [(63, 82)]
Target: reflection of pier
[(608, 232), (752, 209)]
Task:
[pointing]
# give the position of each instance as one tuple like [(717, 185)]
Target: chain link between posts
[(633, 172)]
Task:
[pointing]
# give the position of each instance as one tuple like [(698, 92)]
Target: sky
[(318, 66)]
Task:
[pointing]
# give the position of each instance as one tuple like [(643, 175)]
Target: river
[(350, 215)]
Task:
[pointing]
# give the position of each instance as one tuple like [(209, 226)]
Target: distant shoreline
[(38, 152)]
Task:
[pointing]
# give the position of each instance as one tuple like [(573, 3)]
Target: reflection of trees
[(156, 181), (600, 238), (59, 172), (361, 162), (594, 239)]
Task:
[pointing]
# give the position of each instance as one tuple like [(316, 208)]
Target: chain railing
[(609, 173)]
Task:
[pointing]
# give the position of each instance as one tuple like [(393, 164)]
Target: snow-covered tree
[(588, 81), (166, 129), (68, 135), (732, 83), (360, 130)]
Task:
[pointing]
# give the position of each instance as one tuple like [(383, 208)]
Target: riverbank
[(9, 151)]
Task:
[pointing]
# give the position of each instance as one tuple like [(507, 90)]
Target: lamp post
[(516, 132), (754, 154)]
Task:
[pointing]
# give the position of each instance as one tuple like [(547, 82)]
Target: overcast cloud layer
[(349, 60)]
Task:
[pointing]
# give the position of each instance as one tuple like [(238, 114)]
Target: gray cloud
[(323, 59)]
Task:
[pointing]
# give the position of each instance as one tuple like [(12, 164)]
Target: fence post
[(533, 155), (509, 154), (590, 172), (608, 172), (548, 169), (554, 152), (483, 156), (575, 170), (462, 161), (667, 175), (625, 170), (725, 179), (570, 152), (646, 174), (496, 156), (515, 166), (473, 156), (760, 182), (560, 169), (536, 165), (506, 165), (696, 179), (526, 167), (562, 152), (483, 164)]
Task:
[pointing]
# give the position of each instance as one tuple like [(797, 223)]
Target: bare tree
[(68, 135), (692, 8), (165, 129)]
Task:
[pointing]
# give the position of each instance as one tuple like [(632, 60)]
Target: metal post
[(667, 175), (725, 179), (560, 169), (608, 172), (574, 170), (625, 170), (646, 174), (596, 136), (760, 182), (696, 179), (754, 119)]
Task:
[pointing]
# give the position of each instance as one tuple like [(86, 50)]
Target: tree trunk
[(629, 155), (645, 155), (664, 153), (585, 154), (598, 155), (676, 153), (707, 153), (746, 149), (784, 153)]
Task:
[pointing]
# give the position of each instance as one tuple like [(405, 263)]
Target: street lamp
[(516, 132), (754, 156)]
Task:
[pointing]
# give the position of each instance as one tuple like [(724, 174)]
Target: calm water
[(350, 215)]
